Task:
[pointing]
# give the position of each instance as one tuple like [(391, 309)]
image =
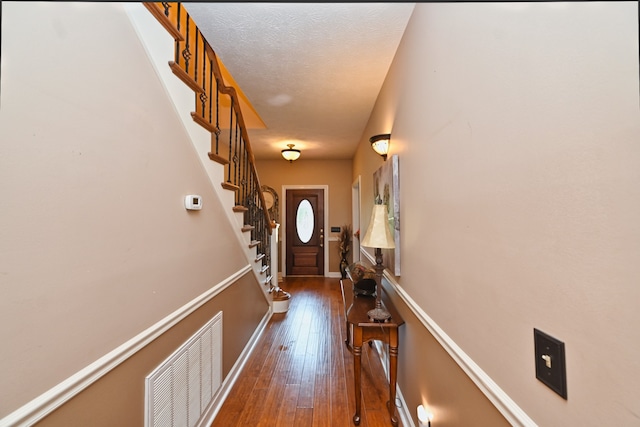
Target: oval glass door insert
[(305, 221)]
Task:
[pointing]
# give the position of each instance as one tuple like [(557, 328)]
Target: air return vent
[(178, 391)]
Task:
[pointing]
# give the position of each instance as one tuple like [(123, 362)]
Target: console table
[(365, 330)]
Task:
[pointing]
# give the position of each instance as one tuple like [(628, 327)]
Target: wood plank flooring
[(301, 372)]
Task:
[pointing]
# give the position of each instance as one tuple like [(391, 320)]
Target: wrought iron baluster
[(217, 113), (186, 53), (256, 213), (195, 65), (167, 6), (236, 161), (230, 141), (203, 95), (177, 50), (245, 161), (204, 78), (210, 89)]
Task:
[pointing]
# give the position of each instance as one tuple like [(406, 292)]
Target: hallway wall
[(517, 131)]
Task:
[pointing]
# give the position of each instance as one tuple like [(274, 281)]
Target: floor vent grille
[(179, 390)]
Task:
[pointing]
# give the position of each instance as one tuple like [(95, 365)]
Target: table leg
[(393, 374), (357, 364)]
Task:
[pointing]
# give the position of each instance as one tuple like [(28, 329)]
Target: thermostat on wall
[(193, 202)]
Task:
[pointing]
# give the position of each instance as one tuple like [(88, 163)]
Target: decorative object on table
[(386, 191), (364, 279), (344, 246), (378, 236), (280, 299)]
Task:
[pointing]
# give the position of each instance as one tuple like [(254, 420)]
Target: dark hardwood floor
[(301, 372)]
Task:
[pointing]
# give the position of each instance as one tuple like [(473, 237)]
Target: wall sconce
[(424, 416), (290, 153), (380, 144)]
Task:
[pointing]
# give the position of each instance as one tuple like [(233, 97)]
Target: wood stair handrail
[(231, 91)]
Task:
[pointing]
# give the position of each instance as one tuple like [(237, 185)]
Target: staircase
[(218, 111)]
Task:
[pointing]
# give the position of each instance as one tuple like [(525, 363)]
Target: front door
[(305, 232)]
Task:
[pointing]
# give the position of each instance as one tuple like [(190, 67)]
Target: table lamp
[(378, 236)]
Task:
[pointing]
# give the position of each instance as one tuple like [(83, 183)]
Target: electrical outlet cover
[(550, 362)]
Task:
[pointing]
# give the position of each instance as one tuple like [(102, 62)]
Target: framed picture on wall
[(386, 190)]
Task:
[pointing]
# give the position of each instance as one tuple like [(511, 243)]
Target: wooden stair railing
[(218, 111)]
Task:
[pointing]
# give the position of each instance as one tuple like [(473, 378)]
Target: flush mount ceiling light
[(290, 153), (380, 144)]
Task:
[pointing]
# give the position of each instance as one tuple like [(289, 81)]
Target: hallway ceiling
[(311, 70)]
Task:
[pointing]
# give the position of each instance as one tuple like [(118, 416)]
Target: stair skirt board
[(179, 390)]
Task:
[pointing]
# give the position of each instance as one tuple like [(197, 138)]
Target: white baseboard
[(55, 397)]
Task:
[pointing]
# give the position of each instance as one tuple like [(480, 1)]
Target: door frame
[(355, 217), (283, 261)]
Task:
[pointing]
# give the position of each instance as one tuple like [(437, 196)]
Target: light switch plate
[(550, 362)]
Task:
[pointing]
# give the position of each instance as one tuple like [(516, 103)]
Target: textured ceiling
[(311, 70)]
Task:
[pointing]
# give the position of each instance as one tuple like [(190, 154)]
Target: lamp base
[(379, 314)]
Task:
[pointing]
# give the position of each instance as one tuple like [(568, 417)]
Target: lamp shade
[(378, 234)]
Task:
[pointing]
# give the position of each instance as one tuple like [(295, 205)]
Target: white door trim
[(283, 261), (355, 216)]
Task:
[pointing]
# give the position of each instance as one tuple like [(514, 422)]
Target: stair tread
[(230, 186), (218, 159)]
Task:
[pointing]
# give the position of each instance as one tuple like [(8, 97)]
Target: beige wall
[(336, 174), (95, 245), (517, 130)]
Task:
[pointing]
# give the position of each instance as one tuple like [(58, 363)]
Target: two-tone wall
[(103, 273), (517, 128)]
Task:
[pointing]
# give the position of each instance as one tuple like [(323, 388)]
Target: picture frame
[(386, 190)]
